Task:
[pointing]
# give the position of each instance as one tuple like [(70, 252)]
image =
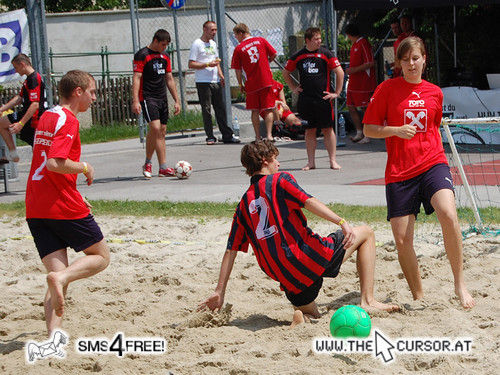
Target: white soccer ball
[(183, 169)]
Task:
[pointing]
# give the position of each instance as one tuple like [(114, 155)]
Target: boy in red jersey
[(252, 55), (32, 98), (57, 215), (270, 218), (407, 112), (362, 80)]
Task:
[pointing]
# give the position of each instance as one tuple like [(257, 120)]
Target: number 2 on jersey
[(263, 229), (37, 176)]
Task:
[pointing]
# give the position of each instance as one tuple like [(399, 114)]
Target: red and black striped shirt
[(269, 217)]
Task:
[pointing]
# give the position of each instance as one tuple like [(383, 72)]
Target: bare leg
[(311, 309), (54, 262), (268, 119), (364, 243), (150, 142), (7, 137), (443, 202), (96, 259), (353, 112), (331, 146), (160, 146), (311, 148), (403, 230), (256, 123)]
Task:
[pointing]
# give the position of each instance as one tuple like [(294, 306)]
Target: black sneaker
[(233, 139)]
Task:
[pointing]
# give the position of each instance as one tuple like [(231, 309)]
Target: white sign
[(14, 39), (469, 102)]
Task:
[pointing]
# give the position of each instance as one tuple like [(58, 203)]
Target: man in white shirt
[(204, 58)]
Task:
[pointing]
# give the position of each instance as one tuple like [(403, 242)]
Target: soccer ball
[(350, 321), (183, 169)]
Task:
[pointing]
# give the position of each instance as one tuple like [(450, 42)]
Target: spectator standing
[(152, 77), (314, 63), (204, 58), (252, 55), (362, 80)]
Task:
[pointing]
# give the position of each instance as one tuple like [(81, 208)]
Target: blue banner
[(14, 39)]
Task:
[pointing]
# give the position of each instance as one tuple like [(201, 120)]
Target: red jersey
[(252, 56), (269, 217), (364, 81), (51, 195), (396, 103)]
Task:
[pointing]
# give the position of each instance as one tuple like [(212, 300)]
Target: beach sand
[(153, 289)]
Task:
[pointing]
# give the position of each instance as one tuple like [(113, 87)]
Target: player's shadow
[(256, 322), (351, 298), (9, 346)]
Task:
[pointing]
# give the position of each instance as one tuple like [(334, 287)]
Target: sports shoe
[(146, 170), (364, 140), (233, 139), (167, 172), (358, 137), (211, 141)]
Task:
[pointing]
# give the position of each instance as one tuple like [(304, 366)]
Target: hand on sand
[(214, 302)]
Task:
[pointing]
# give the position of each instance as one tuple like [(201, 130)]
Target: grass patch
[(365, 214)]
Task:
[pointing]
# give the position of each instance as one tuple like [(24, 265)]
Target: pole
[(333, 32), (33, 30), (179, 62), (436, 42), (44, 54), (135, 47), (454, 36), (220, 12)]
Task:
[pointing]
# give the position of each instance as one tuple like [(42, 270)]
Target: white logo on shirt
[(416, 103), (416, 117), (416, 93), (69, 135), (310, 67), (447, 179), (158, 68)]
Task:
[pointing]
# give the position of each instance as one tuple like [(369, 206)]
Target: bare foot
[(298, 318), (466, 299), (308, 167), (335, 165), (375, 305), (56, 293)]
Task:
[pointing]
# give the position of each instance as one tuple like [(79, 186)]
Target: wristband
[(85, 168), (342, 221), (21, 123), (208, 65)]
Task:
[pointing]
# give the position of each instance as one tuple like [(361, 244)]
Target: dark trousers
[(211, 94)]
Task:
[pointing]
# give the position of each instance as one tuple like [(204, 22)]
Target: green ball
[(350, 321)]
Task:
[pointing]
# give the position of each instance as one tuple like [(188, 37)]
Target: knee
[(106, 257), (448, 217)]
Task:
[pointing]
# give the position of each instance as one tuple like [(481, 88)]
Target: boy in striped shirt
[(270, 218)]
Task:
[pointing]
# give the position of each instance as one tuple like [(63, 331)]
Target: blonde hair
[(241, 28)]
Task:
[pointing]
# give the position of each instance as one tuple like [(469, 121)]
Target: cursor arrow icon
[(383, 348)]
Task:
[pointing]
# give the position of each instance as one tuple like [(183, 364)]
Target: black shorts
[(27, 133), (317, 112), (51, 235), (405, 197), (155, 109), (309, 294)]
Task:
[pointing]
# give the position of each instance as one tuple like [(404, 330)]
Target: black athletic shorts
[(27, 133), (51, 235), (309, 294), (405, 197), (317, 112), (155, 109)]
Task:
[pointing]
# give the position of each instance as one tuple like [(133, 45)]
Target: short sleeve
[(33, 88), (291, 65), (376, 113), (270, 49), (138, 64), (64, 138), (333, 63), (238, 239), (168, 64), (236, 61), (193, 52), (294, 195)]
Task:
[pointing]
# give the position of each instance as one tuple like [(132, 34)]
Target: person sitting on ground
[(270, 218)]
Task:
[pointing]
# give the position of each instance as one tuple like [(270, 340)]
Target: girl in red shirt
[(407, 112)]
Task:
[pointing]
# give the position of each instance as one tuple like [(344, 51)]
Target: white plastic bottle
[(341, 126), (236, 126)]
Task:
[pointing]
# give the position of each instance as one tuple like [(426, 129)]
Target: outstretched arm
[(320, 209), (216, 300), (11, 104), (376, 131)]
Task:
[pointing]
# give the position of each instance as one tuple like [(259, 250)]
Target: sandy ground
[(152, 290)]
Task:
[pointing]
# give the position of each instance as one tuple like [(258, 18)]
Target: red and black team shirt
[(154, 66), (269, 217), (33, 90), (314, 70)]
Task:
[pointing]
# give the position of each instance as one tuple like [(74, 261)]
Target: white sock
[(359, 133), (13, 155)]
